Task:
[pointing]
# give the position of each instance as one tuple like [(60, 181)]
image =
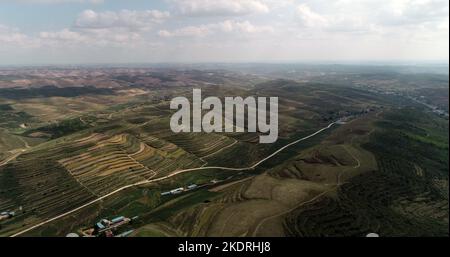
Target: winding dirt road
[(166, 177)]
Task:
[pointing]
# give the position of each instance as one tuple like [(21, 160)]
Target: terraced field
[(240, 208), (325, 164), (125, 159), (384, 171), (163, 156), (400, 198), (39, 190), (76, 169), (387, 209), (107, 165), (205, 146)]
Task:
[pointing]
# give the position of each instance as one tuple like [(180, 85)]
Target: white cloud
[(124, 28), (90, 38), (134, 20), (246, 30), (13, 37), (60, 1), (309, 18), (189, 31), (219, 7), (368, 17), (63, 35), (411, 12), (239, 28)]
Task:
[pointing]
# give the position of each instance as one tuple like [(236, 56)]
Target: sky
[(190, 31)]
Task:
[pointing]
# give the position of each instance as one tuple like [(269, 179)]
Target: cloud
[(413, 12), (63, 35), (219, 7), (133, 20), (60, 1), (124, 28), (13, 37), (189, 31), (90, 38), (367, 17), (225, 27), (309, 18), (246, 30)]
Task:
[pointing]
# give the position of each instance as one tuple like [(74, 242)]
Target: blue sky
[(108, 31), (33, 16)]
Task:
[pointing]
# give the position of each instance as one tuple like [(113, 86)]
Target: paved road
[(168, 176)]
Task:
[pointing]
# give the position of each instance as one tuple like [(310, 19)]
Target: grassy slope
[(136, 202), (401, 197)]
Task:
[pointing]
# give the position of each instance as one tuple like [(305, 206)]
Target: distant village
[(435, 109), (420, 99)]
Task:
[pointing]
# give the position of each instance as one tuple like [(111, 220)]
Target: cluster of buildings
[(192, 187), (115, 227), (179, 190), (433, 108), (107, 228), (7, 215)]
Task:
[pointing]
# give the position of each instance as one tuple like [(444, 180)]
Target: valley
[(81, 145)]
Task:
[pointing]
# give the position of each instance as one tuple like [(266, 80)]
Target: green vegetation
[(400, 198), (11, 118), (384, 169), (60, 129), (5, 107), (50, 91)]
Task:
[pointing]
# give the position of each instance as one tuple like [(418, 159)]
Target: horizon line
[(280, 62)]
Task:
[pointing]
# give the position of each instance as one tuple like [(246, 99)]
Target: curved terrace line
[(168, 176)]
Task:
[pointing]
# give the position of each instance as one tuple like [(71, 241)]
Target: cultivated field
[(382, 167)]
